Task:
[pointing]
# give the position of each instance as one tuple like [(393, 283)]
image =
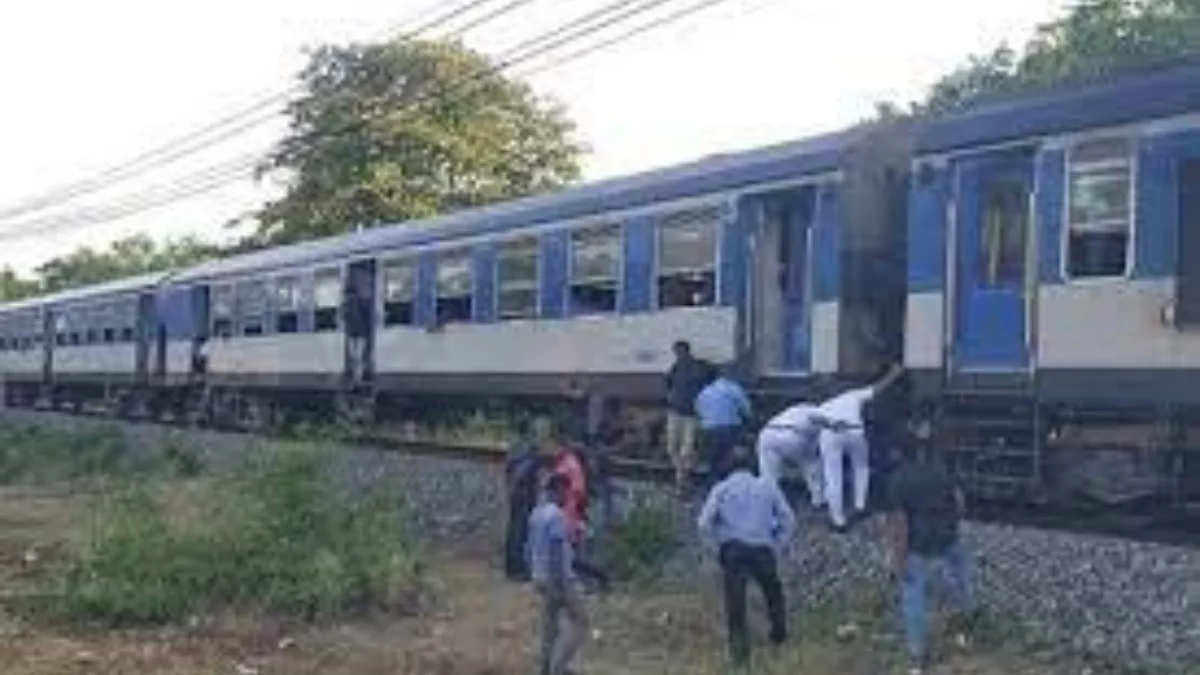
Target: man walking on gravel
[(791, 437), (927, 506), (563, 619), (749, 519)]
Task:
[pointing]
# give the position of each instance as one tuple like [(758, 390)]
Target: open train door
[(359, 311), (994, 289), (779, 281)]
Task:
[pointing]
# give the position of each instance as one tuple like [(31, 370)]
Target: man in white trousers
[(791, 437), (845, 435)]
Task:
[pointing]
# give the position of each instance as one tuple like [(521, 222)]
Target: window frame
[(214, 290), (277, 311), (1131, 162), (382, 300), (461, 251), (538, 274), (618, 229), (722, 210), (339, 320), (243, 289)]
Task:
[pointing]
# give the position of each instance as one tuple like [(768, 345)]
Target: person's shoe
[(839, 529), (962, 640), (916, 666)]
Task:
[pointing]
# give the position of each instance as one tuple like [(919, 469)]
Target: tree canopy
[(85, 265), (1093, 40), (410, 129)]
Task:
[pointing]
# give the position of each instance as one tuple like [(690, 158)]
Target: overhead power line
[(257, 113), (217, 176)]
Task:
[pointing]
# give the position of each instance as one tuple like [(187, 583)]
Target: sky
[(89, 85)]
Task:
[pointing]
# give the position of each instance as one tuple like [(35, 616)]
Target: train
[(1034, 262)]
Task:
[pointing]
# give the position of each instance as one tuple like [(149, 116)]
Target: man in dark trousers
[(687, 376), (564, 621), (749, 519), (927, 505), (521, 470), (723, 411)]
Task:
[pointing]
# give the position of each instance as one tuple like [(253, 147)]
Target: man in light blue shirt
[(564, 622), (749, 519), (723, 411)]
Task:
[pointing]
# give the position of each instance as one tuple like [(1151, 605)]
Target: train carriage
[(1053, 283)]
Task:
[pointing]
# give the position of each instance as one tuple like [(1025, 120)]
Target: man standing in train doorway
[(687, 376), (845, 435)]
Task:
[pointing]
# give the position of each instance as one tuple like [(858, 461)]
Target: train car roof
[(117, 286), (717, 173), (1164, 92)]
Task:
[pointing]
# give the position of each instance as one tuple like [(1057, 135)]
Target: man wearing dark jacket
[(687, 376), (521, 470)]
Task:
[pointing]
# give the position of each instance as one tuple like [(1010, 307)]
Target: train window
[(687, 258), (252, 307), (595, 269), (287, 305), (327, 293), (454, 287), (399, 292), (1005, 223), (223, 303), (1099, 199), (517, 280)]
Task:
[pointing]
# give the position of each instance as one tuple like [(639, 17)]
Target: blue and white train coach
[(1054, 288), (763, 258)]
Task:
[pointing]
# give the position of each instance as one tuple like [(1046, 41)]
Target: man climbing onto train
[(551, 555), (724, 413), (684, 380), (923, 526), (790, 437), (749, 520), (521, 471), (845, 435)]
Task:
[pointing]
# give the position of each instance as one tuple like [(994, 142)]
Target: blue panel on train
[(1157, 230), (483, 283), (639, 265), (175, 313), (425, 311), (827, 250), (732, 259), (927, 230), (554, 248), (1051, 177)]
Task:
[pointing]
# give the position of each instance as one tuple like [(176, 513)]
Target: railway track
[(1142, 524)]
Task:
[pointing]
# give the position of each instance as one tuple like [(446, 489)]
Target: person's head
[(555, 488), (682, 349), (740, 458)]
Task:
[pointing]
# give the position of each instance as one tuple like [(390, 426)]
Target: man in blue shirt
[(749, 519), (551, 563), (723, 411)]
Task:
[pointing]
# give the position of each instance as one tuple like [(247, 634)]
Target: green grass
[(275, 538)]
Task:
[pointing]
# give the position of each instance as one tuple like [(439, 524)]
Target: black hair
[(740, 457), (681, 345), (555, 484)]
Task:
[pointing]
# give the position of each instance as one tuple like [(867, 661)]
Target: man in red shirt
[(568, 463)]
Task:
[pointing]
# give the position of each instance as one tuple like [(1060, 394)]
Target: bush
[(642, 542), (275, 539), (41, 453)]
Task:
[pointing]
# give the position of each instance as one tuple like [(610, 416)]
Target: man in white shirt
[(791, 437), (845, 435)]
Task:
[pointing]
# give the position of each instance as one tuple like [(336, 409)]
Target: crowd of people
[(560, 499)]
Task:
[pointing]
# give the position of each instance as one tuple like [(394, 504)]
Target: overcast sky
[(90, 84)]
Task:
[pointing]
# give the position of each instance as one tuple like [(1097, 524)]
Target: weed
[(642, 541), (275, 539)]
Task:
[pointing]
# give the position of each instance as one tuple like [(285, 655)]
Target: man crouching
[(563, 621)]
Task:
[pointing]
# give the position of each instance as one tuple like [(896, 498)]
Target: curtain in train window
[(595, 269), (287, 304), (517, 280), (399, 292), (327, 298), (223, 304), (687, 258), (1005, 223), (1099, 195), (454, 287)]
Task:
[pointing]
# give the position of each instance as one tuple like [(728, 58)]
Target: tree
[(126, 257), (13, 287), (1094, 40), (410, 129)]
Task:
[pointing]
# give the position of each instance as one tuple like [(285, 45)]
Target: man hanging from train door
[(845, 435)]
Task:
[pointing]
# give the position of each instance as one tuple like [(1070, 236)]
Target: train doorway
[(780, 282), (994, 289)]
